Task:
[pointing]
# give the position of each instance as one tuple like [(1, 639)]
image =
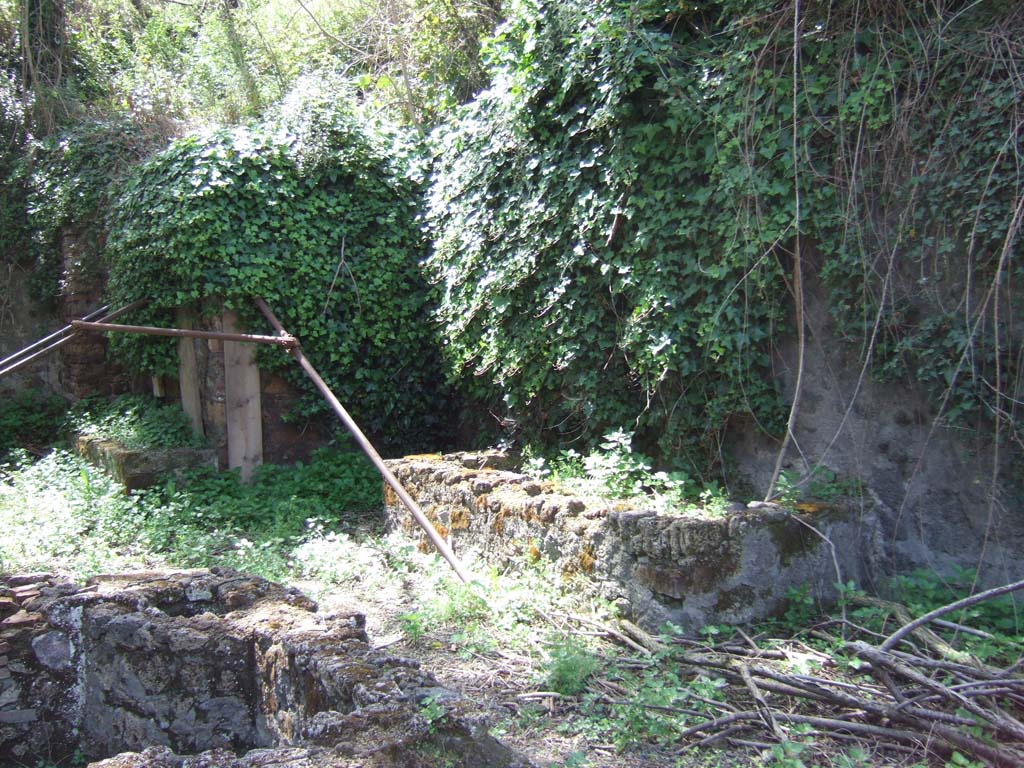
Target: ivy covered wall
[(605, 238), (615, 219), (313, 210)]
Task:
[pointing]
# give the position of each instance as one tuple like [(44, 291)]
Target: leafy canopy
[(615, 217), (314, 211)]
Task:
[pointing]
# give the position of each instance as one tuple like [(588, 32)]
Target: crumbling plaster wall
[(932, 487)]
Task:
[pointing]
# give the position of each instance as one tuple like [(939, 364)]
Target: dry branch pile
[(911, 693)]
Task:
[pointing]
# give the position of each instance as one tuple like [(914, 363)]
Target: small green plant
[(569, 668), (787, 755), (714, 633), (857, 757), (714, 501), (822, 485), (616, 468), (801, 607), (957, 760), (576, 760), (433, 711)]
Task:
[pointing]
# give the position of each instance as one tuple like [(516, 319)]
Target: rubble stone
[(688, 568), (216, 668)]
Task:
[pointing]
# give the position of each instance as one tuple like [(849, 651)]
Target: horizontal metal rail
[(148, 330), (96, 313)]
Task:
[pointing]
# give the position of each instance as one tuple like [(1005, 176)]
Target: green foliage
[(433, 712), (614, 217), (615, 470), (313, 211), (223, 62), (653, 710), (280, 503), (787, 754), (569, 667), (63, 184), (464, 607), (60, 513), (29, 420), (581, 290), (801, 607), (135, 421), (821, 484), (1002, 618)]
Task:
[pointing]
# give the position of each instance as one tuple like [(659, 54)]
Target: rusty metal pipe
[(148, 330), (371, 452), (55, 335), (68, 337)]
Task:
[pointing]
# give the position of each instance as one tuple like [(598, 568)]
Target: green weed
[(61, 513), (569, 667), (29, 420), (134, 421)]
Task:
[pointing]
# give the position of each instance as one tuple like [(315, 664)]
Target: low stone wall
[(691, 569), (243, 671), (136, 469)]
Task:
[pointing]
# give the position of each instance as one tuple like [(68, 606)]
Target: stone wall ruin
[(691, 569), (212, 667)]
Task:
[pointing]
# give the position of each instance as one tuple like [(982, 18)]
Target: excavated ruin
[(689, 568), (214, 668)]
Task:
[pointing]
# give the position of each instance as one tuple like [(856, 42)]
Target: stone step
[(20, 618)]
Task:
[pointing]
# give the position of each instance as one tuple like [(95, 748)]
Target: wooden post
[(188, 375), (242, 401)]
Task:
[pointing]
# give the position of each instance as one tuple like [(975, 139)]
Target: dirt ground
[(503, 685)]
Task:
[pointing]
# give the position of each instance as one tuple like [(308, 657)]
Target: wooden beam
[(242, 402), (188, 375)]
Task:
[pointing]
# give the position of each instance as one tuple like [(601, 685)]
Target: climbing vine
[(614, 218), (315, 215)]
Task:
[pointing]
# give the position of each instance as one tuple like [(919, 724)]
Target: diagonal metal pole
[(64, 340), (367, 446)]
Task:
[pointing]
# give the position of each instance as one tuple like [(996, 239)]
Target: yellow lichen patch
[(498, 524), (533, 551), (459, 519), (810, 507), (424, 457), (584, 562), (587, 559), (390, 498)]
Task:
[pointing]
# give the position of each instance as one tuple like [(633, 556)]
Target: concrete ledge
[(136, 469), (688, 568)]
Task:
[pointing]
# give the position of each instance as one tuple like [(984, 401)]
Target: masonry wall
[(245, 672), (691, 569)]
